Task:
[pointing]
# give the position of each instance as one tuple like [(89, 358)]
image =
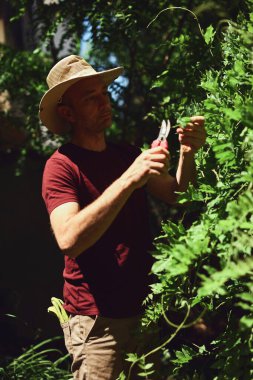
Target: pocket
[(67, 337), (87, 326)]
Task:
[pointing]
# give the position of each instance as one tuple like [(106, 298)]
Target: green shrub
[(204, 273)]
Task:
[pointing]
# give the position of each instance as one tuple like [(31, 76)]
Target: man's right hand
[(152, 162)]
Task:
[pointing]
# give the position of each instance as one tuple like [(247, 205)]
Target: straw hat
[(64, 74)]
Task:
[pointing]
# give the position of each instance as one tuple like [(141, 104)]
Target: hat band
[(83, 73)]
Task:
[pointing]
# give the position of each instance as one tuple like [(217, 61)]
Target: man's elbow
[(68, 247)]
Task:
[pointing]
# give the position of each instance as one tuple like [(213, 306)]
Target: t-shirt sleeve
[(59, 184)]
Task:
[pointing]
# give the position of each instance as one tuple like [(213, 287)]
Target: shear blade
[(164, 131)]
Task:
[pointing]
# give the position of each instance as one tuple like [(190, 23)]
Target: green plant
[(34, 364), (207, 267), (58, 310)]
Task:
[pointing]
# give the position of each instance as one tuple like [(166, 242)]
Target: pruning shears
[(163, 134)]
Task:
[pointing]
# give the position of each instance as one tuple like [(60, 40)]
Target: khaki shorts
[(98, 346)]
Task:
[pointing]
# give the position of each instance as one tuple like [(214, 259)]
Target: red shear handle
[(163, 144)]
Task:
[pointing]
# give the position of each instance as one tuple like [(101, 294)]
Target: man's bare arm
[(76, 230)]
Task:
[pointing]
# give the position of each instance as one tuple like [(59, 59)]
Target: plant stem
[(182, 8), (163, 344), (184, 326)]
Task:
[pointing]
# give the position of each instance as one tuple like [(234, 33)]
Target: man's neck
[(95, 142)]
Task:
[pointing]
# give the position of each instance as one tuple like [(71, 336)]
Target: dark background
[(31, 263)]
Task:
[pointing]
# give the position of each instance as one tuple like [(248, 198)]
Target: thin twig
[(239, 190), (184, 326), (182, 8), (163, 344)]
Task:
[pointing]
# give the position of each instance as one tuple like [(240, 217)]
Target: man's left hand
[(193, 136)]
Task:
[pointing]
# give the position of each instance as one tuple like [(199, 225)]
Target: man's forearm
[(186, 171), (83, 229), (166, 187)]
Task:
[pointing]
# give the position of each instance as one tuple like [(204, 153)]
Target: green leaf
[(182, 121), (132, 357), (184, 356), (122, 376), (239, 68), (145, 374), (158, 83), (166, 100), (247, 321), (233, 114), (209, 35)]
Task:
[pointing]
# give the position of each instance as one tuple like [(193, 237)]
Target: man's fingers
[(191, 127), (194, 125), (158, 150), (198, 119), (159, 157), (194, 133), (191, 132), (159, 166)]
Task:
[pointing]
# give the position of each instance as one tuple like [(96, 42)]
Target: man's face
[(89, 104)]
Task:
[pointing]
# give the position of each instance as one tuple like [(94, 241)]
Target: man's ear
[(66, 113)]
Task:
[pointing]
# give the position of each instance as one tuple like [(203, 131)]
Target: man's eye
[(89, 98)]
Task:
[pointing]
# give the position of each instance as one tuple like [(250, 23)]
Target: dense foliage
[(181, 58), (205, 272)]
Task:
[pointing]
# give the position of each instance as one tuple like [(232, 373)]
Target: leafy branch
[(153, 351), (186, 325)]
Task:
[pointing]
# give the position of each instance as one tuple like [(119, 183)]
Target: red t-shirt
[(111, 277)]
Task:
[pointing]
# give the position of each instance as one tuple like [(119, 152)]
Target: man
[(95, 193)]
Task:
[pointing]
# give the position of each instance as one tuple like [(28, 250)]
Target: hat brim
[(48, 105)]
